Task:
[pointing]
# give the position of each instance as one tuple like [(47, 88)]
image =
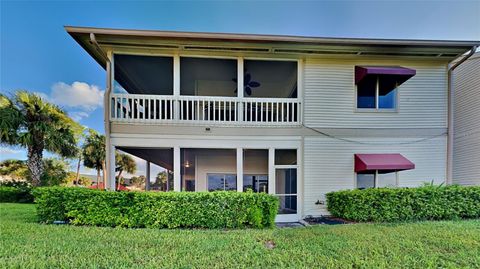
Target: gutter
[(93, 41), (450, 122)]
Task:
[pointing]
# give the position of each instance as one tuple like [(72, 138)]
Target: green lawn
[(27, 244)]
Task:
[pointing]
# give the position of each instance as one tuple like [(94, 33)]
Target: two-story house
[(296, 117)]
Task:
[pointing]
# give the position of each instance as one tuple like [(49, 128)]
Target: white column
[(147, 175), (176, 85), (176, 169), (271, 170), (111, 168), (300, 67), (109, 148), (239, 169), (240, 87)]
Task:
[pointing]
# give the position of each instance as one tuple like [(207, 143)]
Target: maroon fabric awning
[(397, 73), (390, 161)]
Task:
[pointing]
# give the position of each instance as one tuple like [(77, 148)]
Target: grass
[(27, 244)]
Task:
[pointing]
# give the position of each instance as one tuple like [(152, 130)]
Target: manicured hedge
[(15, 195), (156, 209), (406, 204)]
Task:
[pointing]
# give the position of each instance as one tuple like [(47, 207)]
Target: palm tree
[(29, 121), (124, 162), (81, 136), (93, 152)]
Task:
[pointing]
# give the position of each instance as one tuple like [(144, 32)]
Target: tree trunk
[(98, 178), (77, 178), (104, 174), (119, 174), (35, 164)]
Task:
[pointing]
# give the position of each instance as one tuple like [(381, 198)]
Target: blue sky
[(38, 55)]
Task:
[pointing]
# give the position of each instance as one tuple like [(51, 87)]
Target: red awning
[(391, 161), (397, 73)]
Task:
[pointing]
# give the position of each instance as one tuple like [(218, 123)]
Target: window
[(208, 77), (285, 157), (275, 79), (138, 74), (376, 179), (222, 182), (255, 170), (377, 85), (377, 92), (256, 183)]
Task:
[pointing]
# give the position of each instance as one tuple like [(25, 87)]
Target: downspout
[(451, 96), (106, 105)]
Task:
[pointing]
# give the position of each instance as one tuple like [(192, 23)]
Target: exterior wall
[(466, 147), (330, 98), (329, 164), (416, 130)]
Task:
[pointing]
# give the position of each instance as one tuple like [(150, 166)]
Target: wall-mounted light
[(187, 164)]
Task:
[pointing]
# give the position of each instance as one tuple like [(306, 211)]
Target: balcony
[(204, 91), (167, 109)]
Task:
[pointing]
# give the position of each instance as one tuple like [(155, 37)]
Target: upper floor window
[(208, 76), (377, 87), (139, 74), (275, 79)]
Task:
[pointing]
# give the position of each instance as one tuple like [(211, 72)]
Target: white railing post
[(240, 88)]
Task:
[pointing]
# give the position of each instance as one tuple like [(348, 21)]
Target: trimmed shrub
[(156, 209), (15, 195), (405, 204)]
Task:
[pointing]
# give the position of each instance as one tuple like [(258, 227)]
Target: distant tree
[(79, 155), (16, 169), (93, 152), (56, 172), (29, 121), (82, 180), (163, 180), (138, 182), (124, 162)]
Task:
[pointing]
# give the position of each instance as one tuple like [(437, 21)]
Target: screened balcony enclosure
[(178, 89)]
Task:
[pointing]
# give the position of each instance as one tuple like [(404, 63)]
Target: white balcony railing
[(135, 108)]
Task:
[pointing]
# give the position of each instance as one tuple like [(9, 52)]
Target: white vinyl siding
[(466, 151), (329, 164), (329, 91)]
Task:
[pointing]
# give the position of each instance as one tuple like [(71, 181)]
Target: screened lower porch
[(194, 169)]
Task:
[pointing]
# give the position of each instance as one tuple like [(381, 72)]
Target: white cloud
[(79, 95), (78, 115), (5, 150)]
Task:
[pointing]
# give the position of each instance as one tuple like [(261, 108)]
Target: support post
[(271, 171), (240, 88), (239, 169), (109, 148), (147, 177), (176, 169), (176, 86), (111, 168)]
